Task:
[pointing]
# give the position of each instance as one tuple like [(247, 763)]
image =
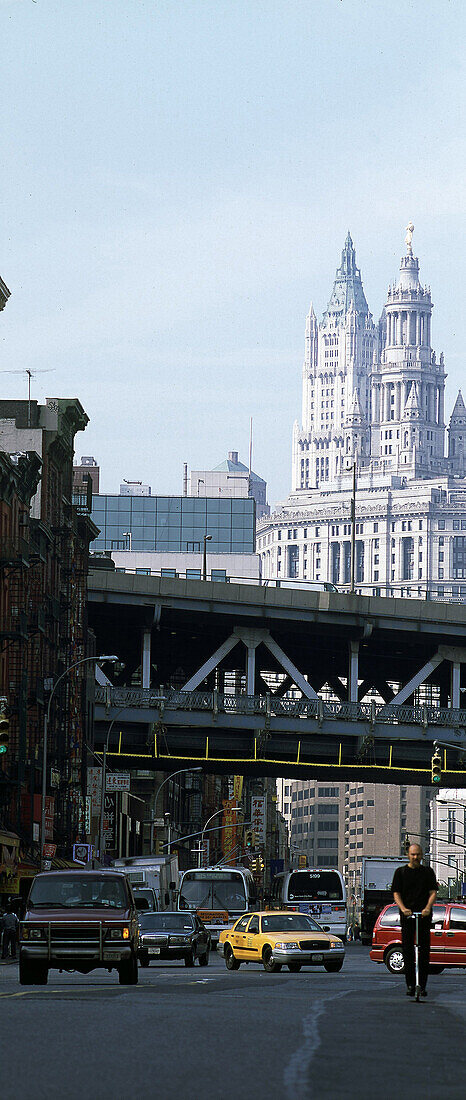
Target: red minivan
[(447, 937)]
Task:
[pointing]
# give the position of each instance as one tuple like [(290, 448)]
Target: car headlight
[(179, 939), (336, 943), (288, 946), (119, 933), (33, 934)]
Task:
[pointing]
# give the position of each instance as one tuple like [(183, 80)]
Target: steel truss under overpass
[(378, 680)]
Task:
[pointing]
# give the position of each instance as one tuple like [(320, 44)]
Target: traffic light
[(436, 766), (249, 840), (406, 844), (4, 727)]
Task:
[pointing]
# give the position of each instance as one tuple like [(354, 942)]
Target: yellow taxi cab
[(277, 938)]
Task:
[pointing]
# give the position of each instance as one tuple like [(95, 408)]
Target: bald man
[(415, 890)]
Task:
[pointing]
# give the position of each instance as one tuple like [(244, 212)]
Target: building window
[(407, 558)]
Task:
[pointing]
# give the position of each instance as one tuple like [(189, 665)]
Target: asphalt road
[(247, 1035)]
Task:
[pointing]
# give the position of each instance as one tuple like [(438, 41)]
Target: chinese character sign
[(237, 788), (259, 817), (94, 788), (229, 829)]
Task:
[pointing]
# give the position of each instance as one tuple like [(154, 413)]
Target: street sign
[(259, 817), (117, 781), (49, 851), (82, 853), (158, 823)]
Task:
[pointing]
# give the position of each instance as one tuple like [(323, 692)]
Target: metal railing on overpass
[(266, 705)]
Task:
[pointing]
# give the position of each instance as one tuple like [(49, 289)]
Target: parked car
[(171, 935), (276, 938), (79, 920), (447, 937)]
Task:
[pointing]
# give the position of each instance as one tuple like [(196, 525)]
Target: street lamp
[(209, 819), (82, 661), (207, 538), (200, 481), (181, 771)]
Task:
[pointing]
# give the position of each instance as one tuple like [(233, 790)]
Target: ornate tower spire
[(347, 287)]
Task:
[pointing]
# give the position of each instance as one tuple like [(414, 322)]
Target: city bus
[(321, 892), (218, 895)]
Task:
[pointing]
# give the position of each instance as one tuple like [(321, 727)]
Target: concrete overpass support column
[(145, 664), (251, 672), (455, 685), (353, 672)]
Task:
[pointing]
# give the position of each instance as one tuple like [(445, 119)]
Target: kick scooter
[(417, 987)]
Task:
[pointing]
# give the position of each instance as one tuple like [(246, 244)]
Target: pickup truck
[(79, 920)]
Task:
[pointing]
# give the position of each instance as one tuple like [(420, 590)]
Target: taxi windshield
[(74, 892), (289, 922)]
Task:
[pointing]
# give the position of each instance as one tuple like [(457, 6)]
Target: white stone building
[(373, 415), (448, 840)]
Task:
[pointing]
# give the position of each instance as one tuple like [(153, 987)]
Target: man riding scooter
[(415, 890)]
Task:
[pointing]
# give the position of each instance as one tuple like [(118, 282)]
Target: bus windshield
[(213, 890), (315, 886)]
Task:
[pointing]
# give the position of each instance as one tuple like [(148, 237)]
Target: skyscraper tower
[(408, 429), (336, 382)]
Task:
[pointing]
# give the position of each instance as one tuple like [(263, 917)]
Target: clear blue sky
[(178, 181)]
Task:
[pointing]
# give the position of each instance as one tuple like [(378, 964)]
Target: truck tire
[(128, 972), (32, 973)]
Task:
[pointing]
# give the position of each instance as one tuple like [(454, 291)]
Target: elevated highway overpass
[(274, 681)]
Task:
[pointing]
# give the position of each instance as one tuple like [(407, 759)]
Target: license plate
[(154, 950), (317, 958), (112, 955)]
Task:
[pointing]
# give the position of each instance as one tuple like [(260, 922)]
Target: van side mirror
[(167, 898), (172, 885)]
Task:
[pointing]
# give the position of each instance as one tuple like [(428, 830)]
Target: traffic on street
[(228, 1035)]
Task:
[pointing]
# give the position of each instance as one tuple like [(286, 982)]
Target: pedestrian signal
[(4, 729), (249, 839), (436, 767)]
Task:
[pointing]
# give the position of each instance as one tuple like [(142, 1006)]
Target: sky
[(178, 181)]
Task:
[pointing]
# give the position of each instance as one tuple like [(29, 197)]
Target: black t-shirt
[(414, 884)]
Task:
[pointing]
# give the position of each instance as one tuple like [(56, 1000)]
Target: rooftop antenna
[(30, 374), (250, 454)]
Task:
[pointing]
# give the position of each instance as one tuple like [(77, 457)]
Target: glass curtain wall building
[(174, 523)]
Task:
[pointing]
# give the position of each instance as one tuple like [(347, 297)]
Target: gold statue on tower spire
[(409, 238)]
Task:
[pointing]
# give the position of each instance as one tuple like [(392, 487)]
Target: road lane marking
[(296, 1074)]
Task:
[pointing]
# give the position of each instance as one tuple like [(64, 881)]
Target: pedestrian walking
[(10, 924), (414, 889)]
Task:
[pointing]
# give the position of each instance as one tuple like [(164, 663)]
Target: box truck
[(376, 890)]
